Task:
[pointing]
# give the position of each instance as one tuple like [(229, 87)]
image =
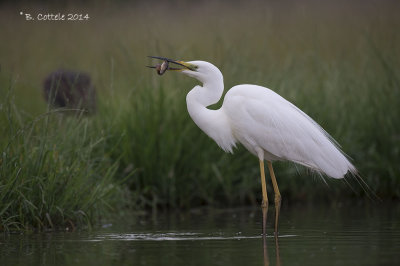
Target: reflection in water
[(264, 236), (265, 249), (278, 257), (319, 235)]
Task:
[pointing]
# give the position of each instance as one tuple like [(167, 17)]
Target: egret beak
[(183, 65)]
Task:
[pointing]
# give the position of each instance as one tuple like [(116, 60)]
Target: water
[(309, 235)]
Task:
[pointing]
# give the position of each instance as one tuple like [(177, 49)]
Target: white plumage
[(269, 126), (282, 130)]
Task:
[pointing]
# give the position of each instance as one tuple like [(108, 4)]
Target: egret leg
[(264, 203), (264, 223), (277, 195)]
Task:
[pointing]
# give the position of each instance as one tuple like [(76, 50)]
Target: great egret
[(269, 126)]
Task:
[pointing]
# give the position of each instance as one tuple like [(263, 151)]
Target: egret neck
[(213, 122)]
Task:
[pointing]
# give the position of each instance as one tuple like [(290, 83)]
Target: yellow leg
[(264, 224), (264, 203), (277, 195), (274, 183)]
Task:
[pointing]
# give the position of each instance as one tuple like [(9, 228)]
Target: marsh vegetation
[(338, 62)]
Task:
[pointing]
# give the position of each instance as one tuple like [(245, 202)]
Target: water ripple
[(188, 236)]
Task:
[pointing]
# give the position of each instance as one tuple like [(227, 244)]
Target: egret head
[(200, 70)]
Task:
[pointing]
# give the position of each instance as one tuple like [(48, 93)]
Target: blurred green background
[(337, 61)]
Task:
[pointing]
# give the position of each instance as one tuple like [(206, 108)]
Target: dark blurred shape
[(71, 90)]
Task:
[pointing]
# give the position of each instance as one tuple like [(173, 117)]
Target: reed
[(337, 62)]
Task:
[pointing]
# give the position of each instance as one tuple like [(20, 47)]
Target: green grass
[(339, 63), (55, 172)]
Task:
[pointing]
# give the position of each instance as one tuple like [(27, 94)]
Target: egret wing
[(261, 117)]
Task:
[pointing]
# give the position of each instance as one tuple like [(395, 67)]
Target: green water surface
[(349, 234)]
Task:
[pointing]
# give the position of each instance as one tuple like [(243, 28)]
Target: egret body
[(269, 126)]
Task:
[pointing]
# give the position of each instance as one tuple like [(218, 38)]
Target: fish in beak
[(165, 65)]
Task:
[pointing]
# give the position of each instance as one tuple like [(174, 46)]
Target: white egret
[(269, 126)]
